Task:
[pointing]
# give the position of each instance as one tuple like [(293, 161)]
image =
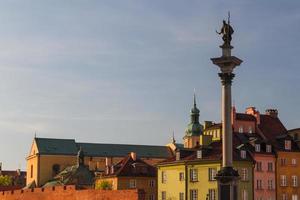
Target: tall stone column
[(227, 177)]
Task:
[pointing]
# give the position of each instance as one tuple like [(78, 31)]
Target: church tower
[(194, 128)]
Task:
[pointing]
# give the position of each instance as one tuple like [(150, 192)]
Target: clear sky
[(124, 71)]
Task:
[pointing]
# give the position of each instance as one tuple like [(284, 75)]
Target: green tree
[(104, 185), (5, 180)]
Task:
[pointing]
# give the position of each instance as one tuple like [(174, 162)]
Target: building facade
[(48, 157), (131, 173)]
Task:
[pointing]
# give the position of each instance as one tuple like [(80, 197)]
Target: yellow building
[(48, 157), (190, 173), (131, 173), (213, 129)]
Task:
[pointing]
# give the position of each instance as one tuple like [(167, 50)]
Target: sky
[(124, 71)]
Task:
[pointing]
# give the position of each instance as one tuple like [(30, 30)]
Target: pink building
[(245, 126)]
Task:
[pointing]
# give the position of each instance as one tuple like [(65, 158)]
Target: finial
[(173, 137), (35, 134), (228, 20), (195, 97)]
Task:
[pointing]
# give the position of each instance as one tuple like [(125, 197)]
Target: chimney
[(272, 112), (133, 156), (207, 124), (233, 114), (108, 164), (252, 111)]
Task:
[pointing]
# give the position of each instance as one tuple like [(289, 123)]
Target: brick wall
[(6, 188), (71, 193)]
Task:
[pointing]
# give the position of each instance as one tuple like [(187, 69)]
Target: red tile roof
[(271, 127), (130, 167), (245, 117)]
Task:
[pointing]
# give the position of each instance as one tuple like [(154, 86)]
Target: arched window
[(31, 171), (55, 169)]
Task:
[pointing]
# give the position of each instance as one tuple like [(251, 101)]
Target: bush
[(104, 185), (5, 181)]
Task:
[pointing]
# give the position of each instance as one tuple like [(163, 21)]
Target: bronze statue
[(226, 31)]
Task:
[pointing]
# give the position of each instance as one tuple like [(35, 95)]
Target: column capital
[(226, 78)]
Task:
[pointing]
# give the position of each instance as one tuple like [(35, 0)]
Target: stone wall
[(71, 193)]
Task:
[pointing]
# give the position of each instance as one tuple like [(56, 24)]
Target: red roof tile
[(245, 117), (271, 127)]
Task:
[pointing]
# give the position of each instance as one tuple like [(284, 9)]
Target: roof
[(48, 146), (271, 127), (13, 173), (51, 146), (245, 117), (133, 168), (213, 152), (76, 174)]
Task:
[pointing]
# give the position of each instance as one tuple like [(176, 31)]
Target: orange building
[(131, 173)]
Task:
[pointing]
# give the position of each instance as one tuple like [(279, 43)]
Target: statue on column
[(226, 31)]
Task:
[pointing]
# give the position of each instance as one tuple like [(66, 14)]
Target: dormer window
[(287, 144), (243, 154), (257, 147), (241, 130), (250, 129), (268, 148), (199, 154), (177, 155)]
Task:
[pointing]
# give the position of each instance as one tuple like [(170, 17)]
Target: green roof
[(56, 146), (48, 146)]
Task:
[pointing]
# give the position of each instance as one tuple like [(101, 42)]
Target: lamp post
[(227, 177)]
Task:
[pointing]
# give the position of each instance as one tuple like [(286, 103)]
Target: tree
[(104, 185), (5, 181)]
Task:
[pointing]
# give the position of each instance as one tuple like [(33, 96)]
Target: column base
[(227, 179)]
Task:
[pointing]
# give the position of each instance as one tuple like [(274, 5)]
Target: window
[(269, 148), (294, 181), (181, 196), (177, 155), (199, 154), (151, 197), (152, 183), (294, 161), (270, 166), (163, 195), (270, 185), (259, 184), (250, 129), (283, 181), (132, 183), (55, 169), (284, 196), (259, 166), (241, 130), (212, 194), (31, 171), (181, 176), (163, 177), (193, 175), (243, 154), (212, 174), (193, 194), (294, 197), (245, 195), (287, 144), (244, 174), (257, 147), (282, 161)]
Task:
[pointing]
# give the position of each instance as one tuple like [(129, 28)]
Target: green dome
[(194, 129)]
